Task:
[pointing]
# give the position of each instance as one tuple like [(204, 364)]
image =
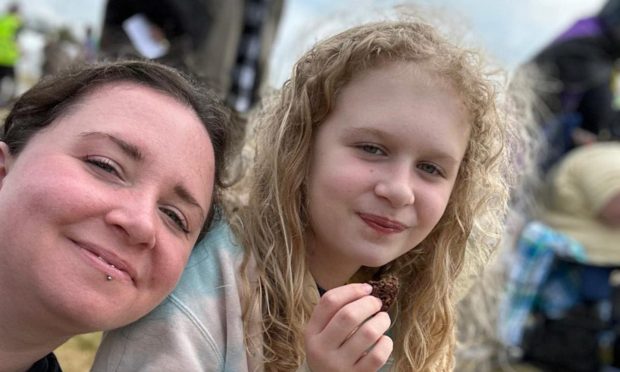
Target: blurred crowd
[(225, 44), (551, 299)]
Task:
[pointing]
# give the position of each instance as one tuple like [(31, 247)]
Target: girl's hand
[(346, 331)]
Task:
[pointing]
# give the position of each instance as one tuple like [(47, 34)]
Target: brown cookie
[(385, 289)]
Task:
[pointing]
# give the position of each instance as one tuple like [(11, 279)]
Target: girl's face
[(383, 166), (119, 186)]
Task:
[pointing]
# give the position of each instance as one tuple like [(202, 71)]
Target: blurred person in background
[(225, 43), (10, 24), (61, 51), (583, 200), (89, 46), (580, 89), (562, 300)]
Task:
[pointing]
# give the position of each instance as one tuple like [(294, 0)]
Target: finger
[(332, 301), (367, 335), (376, 357), (348, 319)]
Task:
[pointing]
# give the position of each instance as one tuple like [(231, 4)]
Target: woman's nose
[(136, 219)]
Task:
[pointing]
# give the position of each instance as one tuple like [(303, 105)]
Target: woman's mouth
[(107, 263)]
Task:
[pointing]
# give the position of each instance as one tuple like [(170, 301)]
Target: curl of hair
[(273, 225)]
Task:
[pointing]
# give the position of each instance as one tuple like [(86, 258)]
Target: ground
[(77, 354)]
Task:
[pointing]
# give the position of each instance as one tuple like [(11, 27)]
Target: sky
[(509, 31)]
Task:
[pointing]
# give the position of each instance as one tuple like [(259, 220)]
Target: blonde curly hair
[(273, 225)]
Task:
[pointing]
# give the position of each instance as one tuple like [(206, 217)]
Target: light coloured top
[(197, 328)]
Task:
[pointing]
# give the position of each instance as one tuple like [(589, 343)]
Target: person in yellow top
[(10, 23)]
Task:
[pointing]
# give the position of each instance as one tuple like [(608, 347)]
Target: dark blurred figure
[(89, 46), (61, 51), (10, 24), (562, 305), (579, 71), (225, 43)]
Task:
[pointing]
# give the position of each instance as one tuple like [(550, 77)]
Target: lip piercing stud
[(108, 277)]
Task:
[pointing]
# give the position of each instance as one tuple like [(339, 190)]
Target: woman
[(108, 175)]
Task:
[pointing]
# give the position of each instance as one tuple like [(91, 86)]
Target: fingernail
[(367, 288)]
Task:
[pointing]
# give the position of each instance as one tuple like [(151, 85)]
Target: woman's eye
[(104, 164), (176, 218), (372, 149), (430, 169)]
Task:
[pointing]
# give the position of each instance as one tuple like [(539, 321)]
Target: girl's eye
[(372, 149), (176, 218), (430, 169), (104, 164)]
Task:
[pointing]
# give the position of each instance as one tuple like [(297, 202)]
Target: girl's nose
[(397, 189)]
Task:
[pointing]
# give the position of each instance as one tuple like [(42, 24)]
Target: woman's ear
[(5, 160)]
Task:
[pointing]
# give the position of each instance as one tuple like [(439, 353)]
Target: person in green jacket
[(10, 24)]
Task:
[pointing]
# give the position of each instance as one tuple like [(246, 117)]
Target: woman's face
[(118, 187), (383, 167)]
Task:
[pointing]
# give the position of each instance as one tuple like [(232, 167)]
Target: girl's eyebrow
[(371, 131), (383, 135)]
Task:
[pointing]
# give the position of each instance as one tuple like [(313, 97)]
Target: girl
[(384, 153), (100, 201)]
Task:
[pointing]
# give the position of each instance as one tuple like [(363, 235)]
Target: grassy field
[(77, 354)]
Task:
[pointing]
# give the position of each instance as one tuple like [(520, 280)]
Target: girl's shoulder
[(219, 239), (214, 261)]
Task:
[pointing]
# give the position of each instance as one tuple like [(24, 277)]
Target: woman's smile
[(107, 262)]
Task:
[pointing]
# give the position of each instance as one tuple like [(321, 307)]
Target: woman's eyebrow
[(187, 197), (129, 149), (134, 152)]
